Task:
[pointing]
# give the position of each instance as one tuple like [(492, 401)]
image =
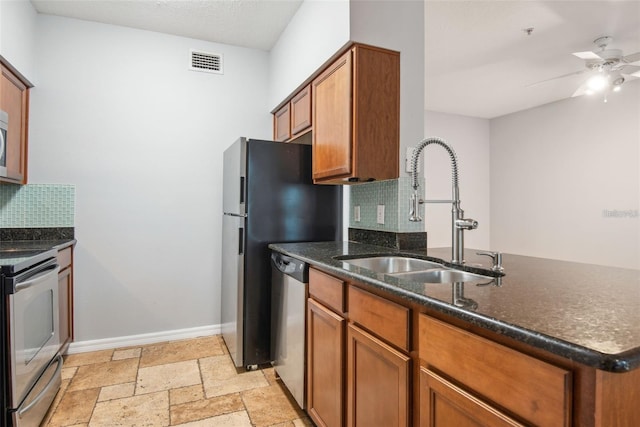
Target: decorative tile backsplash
[(394, 195), (37, 205)]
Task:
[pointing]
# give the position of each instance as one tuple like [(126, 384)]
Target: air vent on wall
[(205, 61)]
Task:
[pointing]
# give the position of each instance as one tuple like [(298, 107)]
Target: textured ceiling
[(478, 62), (249, 23)]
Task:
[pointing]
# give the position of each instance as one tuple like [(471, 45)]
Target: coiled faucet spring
[(458, 222)]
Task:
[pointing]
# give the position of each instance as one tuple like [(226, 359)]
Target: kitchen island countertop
[(582, 312)]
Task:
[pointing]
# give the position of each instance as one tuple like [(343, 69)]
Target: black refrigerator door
[(283, 205)]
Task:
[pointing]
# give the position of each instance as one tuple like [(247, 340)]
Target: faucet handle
[(496, 257)]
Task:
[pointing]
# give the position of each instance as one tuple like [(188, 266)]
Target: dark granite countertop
[(583, 312)]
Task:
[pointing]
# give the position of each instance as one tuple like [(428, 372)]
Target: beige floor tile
[(220, 377), (56, 401), (117, 391), (165, 377), (101, 383), (105, 374), (175, 351), (303, 422), (129, 353), (186, 394), (68, 373), (235, 419), (300, 422), (74, 408), (270, 375), (270, 405), (90, 358), (149, 410), (202, 409)]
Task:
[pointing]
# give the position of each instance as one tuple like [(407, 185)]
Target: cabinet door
[(15, 101), (325, 365), (282, 124), (332, 120), (377, 382), (443, 404), (65, 303), (301, 111)]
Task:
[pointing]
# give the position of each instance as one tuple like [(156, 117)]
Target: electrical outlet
[(356, 213), (380, 219)]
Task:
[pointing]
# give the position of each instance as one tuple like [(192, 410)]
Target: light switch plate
[(380, 216), (356, 213)]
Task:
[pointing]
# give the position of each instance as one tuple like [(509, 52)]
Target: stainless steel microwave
[(4, 125)]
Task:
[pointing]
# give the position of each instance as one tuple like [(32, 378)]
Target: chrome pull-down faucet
[(458, 222)]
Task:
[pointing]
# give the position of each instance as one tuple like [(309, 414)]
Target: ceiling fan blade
[(582, 89), (630, 69), (575, 73), (586, 55), (630, 59)]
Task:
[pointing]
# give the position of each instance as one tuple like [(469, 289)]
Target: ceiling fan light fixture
[(597, 82)]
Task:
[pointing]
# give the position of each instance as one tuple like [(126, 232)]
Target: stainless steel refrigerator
[(268, 197)]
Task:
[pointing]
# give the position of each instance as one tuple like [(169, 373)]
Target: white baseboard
[(143, 339)]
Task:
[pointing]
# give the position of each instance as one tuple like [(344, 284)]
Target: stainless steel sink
[(392, 264), (442, 275)]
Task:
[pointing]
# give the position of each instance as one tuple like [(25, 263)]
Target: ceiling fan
[(608, 68)]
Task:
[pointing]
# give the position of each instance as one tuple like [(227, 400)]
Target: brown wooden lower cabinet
[(325, 365), (535, 391), (65, 298), (377, 382), (443, 404), (444, 374)]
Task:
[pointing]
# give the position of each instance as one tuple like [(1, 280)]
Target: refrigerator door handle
[(236, 215), (240, 241)]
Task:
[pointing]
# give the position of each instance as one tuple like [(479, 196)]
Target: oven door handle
[(46, 388), (39, 277)]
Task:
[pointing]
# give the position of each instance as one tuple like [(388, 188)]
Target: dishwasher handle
[(290, 266)]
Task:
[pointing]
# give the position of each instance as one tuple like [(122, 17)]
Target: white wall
[(397, 25), (17, 33), (318, 29), (469, 137), (117, 113), (556, 168)]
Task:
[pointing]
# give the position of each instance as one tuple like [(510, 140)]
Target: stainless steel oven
[(34, 341), (4, 125)]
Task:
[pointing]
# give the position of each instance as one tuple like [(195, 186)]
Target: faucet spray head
[(414, 207)]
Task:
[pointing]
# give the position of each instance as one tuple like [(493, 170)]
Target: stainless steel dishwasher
[(289, 288)]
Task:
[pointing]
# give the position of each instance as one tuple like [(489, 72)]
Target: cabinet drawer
[(64, 258), (386, 319), (534, 390), (327, 289)]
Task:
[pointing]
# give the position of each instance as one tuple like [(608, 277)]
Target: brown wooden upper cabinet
[(294, 118), (352, 107), (14, 100), (356, 117)]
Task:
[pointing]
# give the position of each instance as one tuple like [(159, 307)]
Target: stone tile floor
[(190, 383)]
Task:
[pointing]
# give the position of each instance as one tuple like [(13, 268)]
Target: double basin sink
[(414, 269)]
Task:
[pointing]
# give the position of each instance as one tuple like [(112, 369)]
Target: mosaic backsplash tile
[(394, 194), (37, 205)]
